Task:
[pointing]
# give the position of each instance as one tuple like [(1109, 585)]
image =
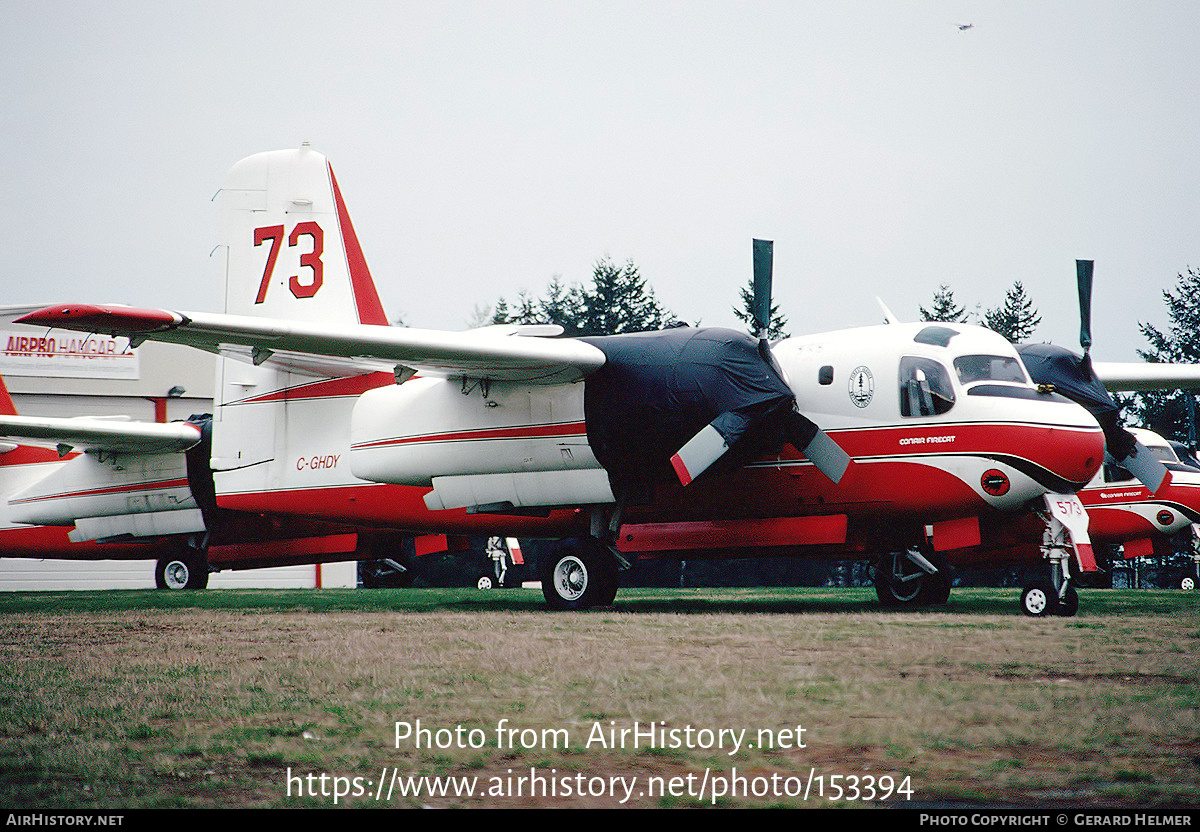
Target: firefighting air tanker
[(113, 489), (900, 438)]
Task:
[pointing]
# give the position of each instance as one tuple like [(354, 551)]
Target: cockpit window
[(1115, 473), (938, 336), (972, 368), (925, 387), (1162, 454)]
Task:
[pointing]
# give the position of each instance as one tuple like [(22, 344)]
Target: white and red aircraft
[(105, 488), (1121, 511), (113, 489), (23, 465), (683, 439)]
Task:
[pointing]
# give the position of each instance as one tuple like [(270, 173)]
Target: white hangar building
[(63, 374)]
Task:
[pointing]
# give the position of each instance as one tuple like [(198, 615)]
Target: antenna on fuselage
[(888, 316)]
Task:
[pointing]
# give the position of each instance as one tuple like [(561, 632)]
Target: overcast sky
[(485, 147)]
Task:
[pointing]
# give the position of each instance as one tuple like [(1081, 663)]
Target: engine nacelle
[(114, 485), (409, 434)]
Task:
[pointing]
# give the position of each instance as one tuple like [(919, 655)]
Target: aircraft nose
[(1072, 454), (1089, 459)]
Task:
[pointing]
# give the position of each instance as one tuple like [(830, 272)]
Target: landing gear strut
[(912, 578), (497, 573), (1053, 594)]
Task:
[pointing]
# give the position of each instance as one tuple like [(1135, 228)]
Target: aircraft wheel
[(485, 582), (899, 582), (1188, 584), (199, 577), (935, 589), (578, 573), (1038, 600), (1069, 605), (180, 573)]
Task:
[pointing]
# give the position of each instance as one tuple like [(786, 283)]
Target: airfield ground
[(234, 698)]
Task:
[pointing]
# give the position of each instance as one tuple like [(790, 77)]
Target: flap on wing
[(499, 354), (96, 434)]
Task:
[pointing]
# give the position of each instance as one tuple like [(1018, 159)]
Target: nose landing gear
[(1062, 539)]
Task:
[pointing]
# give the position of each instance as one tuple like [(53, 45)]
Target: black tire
[(1039, 599), (899, 582), (935, 589), (184, 571), (579, 573), (1068, 605)]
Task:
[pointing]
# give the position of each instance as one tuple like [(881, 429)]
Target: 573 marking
[(311, 259), (1069, 507)]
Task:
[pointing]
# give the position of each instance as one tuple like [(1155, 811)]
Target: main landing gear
[(496, 573), (579, 573), (186, 569), (915, 577)]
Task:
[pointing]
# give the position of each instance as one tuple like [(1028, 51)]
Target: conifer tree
[(1170, 412), (618, 300), (944, 308), (1015, 319), (777, 324)]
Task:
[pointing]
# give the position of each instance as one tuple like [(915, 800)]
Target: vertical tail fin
[(7, 408), (291, 254), (292, 250)]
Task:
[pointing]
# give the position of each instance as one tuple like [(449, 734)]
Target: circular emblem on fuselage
[(1165, 518), (862, 386), (994, 482)]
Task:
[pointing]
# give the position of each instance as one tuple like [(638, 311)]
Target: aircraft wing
[(1146, 376), (95, 434), (342, 350)]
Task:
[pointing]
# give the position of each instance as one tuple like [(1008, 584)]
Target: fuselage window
[(1115, 473), (972, 368), (925, 387)]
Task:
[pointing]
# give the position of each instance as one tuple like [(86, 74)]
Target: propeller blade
[(1191, 410), (742, 432), (709, 445), (698, 453), (763, 263), (827, 456), (1083, 277), (1145, 467)]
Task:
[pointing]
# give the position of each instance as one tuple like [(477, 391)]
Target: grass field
[(740, 697)]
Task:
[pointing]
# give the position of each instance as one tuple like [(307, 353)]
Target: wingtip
[(102, 318)]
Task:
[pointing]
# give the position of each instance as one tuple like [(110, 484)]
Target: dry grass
[(129, 708)]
